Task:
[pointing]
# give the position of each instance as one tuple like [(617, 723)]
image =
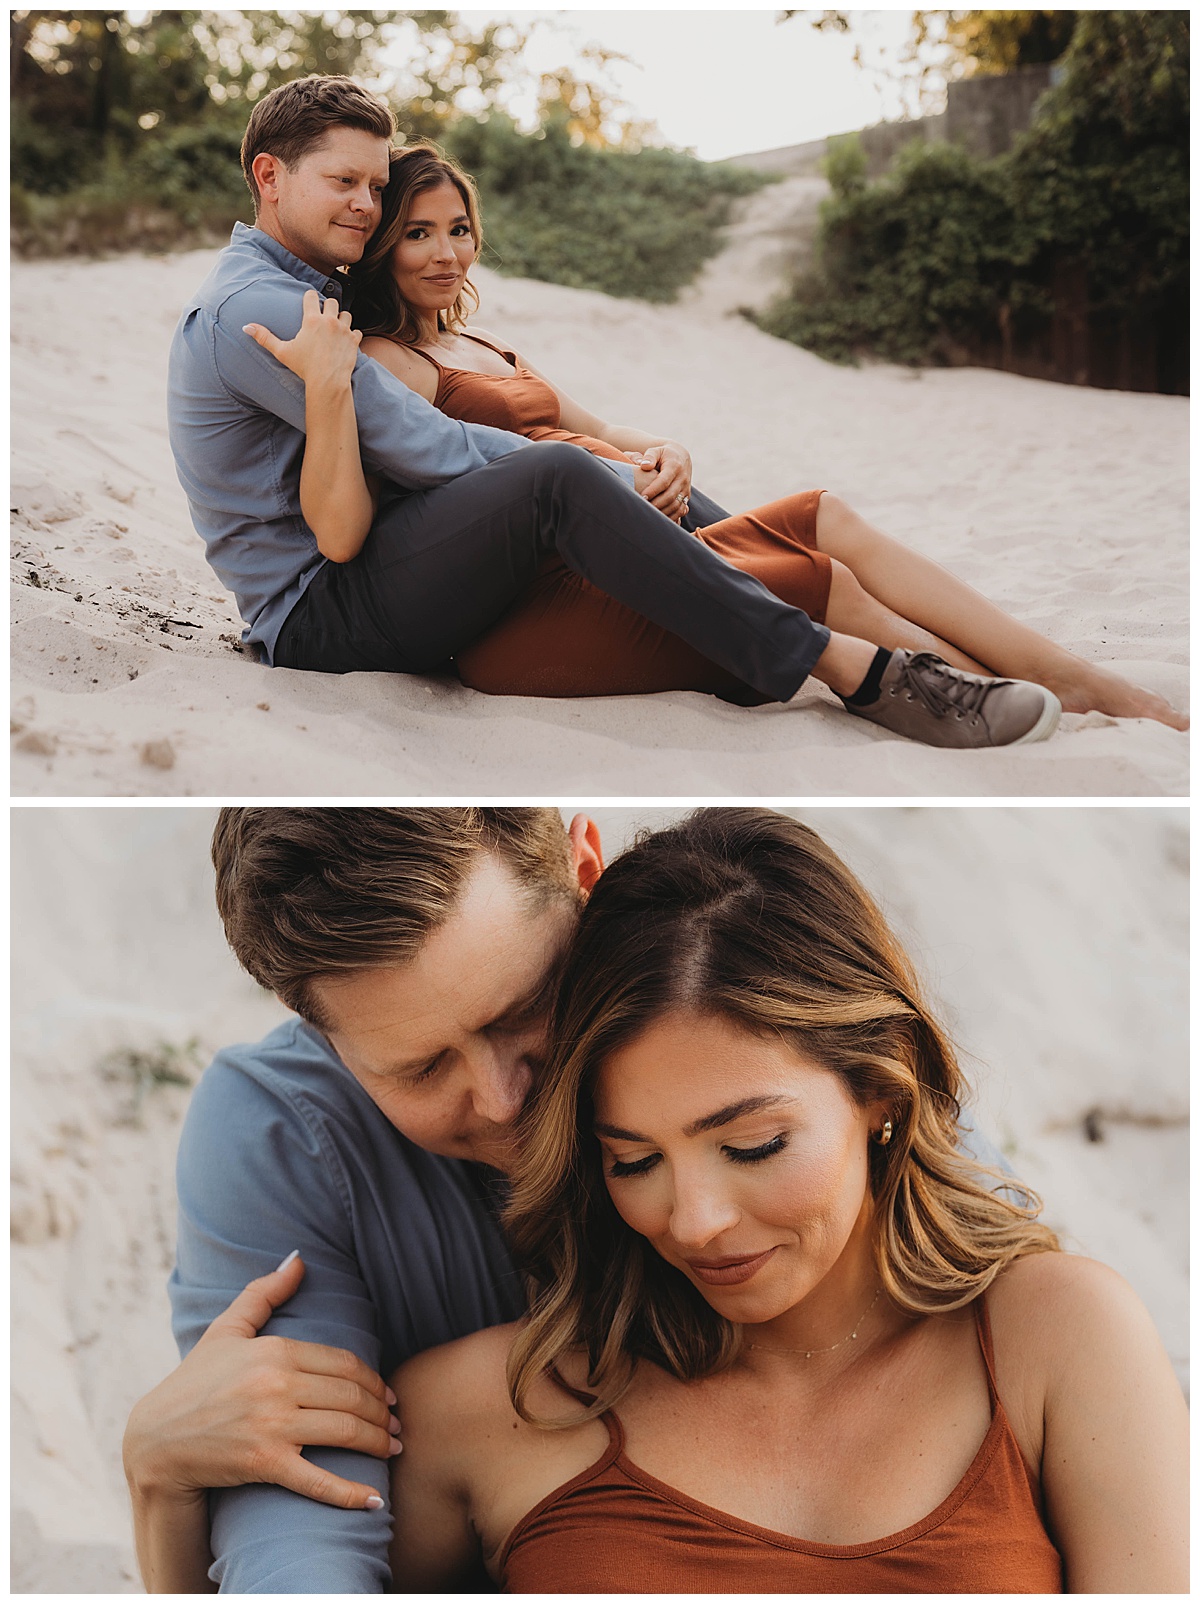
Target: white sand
[(1068, 506), (1055, 940)]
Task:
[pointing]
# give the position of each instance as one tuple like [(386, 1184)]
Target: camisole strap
[(509, 356), (416, 349), (983, 1327)]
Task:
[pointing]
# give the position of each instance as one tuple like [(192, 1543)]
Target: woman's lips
[(728, 1272)]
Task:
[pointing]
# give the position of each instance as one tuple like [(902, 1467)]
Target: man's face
[(326, 207), (447, 1045)]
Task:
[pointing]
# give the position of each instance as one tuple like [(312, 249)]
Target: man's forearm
[(171, 1535)]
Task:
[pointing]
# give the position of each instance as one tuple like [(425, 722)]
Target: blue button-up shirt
[(236, 418), (283, 1149)]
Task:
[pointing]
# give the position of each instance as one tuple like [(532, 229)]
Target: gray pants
[(440, 566)]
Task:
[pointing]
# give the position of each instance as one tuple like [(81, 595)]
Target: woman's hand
[(324, 351), (665, 477), (240, 1407)]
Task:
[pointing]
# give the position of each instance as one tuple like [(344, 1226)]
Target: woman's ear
[(586, 856)]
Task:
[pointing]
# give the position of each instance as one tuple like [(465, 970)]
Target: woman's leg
[(916, 594), (853, 610)]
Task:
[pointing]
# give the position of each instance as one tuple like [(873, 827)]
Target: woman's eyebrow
[(617, 1133), (427, 222), (710, 1122), (732, 1111)]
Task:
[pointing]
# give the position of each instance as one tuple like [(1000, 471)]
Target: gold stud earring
[(884, 1135)]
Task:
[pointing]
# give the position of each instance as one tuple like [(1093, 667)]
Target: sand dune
[(1054, 940), (1068, 506)]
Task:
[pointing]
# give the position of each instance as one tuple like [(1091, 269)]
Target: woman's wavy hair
[(746, 915), (379, 307)]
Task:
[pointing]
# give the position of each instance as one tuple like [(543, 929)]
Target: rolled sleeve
[(254, 1182)]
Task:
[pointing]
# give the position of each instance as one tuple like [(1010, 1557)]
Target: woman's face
[(743, 1163), (435, 251)]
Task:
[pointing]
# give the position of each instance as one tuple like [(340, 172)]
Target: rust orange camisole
[(616, 1529), (564, 637)]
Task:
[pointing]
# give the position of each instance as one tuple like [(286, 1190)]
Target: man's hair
[(746, 916), (294, 119), (306, 893)]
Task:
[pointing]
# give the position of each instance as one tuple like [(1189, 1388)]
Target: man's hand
[(664, 477), (324, 351), (240, 1407)]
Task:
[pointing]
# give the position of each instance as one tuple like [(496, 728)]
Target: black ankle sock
[(868, 691)]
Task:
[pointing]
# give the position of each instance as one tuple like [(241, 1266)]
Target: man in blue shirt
[(415, 946), (469, 514)]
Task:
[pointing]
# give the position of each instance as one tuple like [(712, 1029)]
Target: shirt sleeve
[(400, 435), (255, 1180)]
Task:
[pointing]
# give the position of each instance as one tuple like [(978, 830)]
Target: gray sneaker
[(924, 698)]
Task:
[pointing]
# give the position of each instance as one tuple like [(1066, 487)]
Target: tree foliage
[(995, 41), (128, 133)]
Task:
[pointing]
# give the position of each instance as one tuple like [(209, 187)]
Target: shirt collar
[(257, 240)]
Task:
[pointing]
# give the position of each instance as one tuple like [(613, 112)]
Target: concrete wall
[(987, 113)]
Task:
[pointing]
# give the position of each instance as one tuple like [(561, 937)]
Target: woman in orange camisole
[(784, 1337), (412, 295)]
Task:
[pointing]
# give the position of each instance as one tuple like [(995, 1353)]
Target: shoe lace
[(941, 688)]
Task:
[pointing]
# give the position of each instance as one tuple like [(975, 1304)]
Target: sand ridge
[(1066, 505)]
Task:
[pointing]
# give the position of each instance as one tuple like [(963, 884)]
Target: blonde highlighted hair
[(746, 915)]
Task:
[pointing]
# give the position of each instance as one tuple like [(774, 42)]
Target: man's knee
[(563, 463)]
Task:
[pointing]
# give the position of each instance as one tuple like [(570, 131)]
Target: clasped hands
[(664, 476)]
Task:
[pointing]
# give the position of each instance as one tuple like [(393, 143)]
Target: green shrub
[(630, 223), (635, 224), (845, 164), (947, 248), (905, 264)]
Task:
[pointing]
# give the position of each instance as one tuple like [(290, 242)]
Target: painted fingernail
[(389, 1395), (374, 1502), (294, 1254)]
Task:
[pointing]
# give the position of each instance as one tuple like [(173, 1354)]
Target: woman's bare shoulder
[(409, 368), (1052, 1312), (456, 1412), (471, 1365), (1044, 1289)]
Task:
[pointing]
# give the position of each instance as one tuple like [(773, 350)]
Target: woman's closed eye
[(638, 1166), (755, 1155)]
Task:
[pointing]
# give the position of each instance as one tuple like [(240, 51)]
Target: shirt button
[(331, 288)]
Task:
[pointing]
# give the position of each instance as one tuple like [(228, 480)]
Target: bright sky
[(725, 82)]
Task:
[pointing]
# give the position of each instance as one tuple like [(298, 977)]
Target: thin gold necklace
[(810, 1352)]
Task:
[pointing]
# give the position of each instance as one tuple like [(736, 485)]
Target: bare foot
[(1097, 690)]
